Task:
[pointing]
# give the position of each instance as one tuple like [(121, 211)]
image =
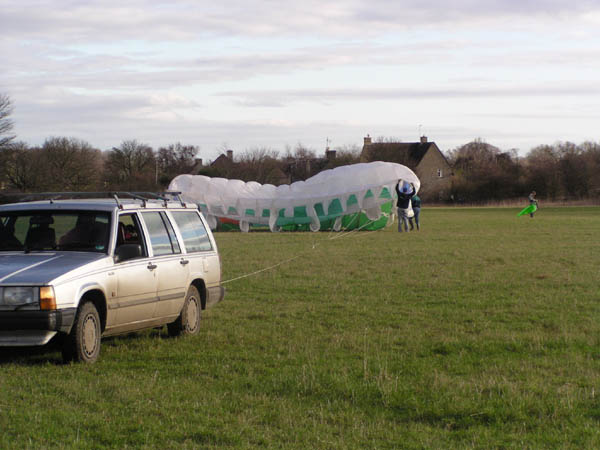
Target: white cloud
[(105, 21), (281, 72), (281, 98)]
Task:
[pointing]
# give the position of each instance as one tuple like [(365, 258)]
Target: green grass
[(480, 331)]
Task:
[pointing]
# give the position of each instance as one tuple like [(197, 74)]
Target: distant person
[(532, 201), (416, 206), (405, 192)]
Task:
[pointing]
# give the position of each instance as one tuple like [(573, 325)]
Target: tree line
[(70, 164), (562, 171), (482, 172), (266, 165)]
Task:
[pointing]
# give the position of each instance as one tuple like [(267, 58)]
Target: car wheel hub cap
[(90, 334), (192, 314)]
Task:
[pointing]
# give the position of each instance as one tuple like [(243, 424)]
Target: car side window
[(195, 237), (162, 236), (171, 231), (129, 231)]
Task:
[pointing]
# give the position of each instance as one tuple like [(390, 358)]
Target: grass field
[(480, 331)]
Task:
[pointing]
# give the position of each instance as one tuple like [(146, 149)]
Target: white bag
[(409, 211)]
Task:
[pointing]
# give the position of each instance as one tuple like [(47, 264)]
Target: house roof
[(415, 150), (408, 153), (222, 160)]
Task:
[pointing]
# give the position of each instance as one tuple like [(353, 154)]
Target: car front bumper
[(25, 328), (53, 320)]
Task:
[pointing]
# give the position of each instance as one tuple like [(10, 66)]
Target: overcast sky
[(244, 74)]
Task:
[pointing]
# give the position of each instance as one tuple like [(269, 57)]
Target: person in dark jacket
[(416, 206), (405, 193)]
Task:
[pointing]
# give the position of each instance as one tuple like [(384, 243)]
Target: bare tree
[(21, 167), (303, 152), (543, 173), (574, 170), (259, 164), (61, 164), (71, 164), (483, 172), (6, 125), (344, 156), (131, 166), (174, 160), (300, 162), (591, 155)]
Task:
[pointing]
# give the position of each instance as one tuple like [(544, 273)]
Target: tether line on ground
[(314, 246)]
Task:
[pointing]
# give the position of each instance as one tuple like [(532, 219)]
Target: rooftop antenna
[(327, 142)]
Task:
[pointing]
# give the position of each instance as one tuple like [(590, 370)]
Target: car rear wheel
[(83, 342), (188, 321)]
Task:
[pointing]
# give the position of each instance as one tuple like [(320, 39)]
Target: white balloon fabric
[(323, 201)]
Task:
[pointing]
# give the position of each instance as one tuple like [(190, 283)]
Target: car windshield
[(27, 231)]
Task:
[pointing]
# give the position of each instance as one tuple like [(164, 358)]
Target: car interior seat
[(40, 235)]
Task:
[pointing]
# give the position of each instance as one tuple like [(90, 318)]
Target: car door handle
[(183, 262), (152, 266)]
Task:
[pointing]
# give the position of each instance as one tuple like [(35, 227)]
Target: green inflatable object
[(301, 221), (528, 210), (352, 197)]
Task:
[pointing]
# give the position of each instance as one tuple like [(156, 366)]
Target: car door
[(171, 267), (136, 278), (202, 256)]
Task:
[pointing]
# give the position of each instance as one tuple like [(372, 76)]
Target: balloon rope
[(261, 270), (314, 245), (332, 232), (346, 233)]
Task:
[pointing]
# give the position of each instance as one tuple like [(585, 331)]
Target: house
[(223, 161), (423, 157)]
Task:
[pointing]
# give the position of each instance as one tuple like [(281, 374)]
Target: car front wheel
[(83, 342), (188, 321)]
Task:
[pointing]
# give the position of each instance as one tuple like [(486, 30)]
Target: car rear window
[(195, 237)]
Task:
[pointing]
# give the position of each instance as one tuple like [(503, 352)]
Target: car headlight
[(21, 295)]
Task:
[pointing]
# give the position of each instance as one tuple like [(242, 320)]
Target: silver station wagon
[(77, 270)]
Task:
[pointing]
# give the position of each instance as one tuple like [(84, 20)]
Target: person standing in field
[(405, 193), (532, 201), (416, 206)]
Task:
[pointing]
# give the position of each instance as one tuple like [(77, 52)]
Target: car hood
[(41, 268)]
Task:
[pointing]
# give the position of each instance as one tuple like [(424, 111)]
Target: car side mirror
[(127, 251)]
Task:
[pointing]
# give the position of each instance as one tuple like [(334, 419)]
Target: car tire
[(188, 321), (82, 344)]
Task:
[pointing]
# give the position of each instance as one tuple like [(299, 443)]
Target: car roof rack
[(118, 196)]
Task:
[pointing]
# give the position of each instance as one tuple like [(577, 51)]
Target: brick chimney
[(423, 139), (230, 154), (330, 154), (367, 140)]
